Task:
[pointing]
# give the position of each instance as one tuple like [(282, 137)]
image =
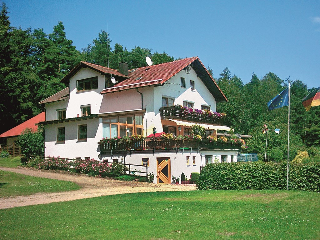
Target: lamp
[(154, 131)]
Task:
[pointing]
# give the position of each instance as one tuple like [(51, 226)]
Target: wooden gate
[(163, 170)]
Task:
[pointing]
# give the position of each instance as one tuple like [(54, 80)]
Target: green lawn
[(13, 184), (10, 162), (171, 215)]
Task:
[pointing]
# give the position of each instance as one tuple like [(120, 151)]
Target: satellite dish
[(149, 62), (113, 80)]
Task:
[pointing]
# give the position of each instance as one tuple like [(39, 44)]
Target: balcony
[(168, 142), (192, 115)]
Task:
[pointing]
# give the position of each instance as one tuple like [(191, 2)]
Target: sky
[(248, 37)]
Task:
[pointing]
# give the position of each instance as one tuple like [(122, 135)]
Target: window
[(87, 84), (188, 160), (82, 132), (61, 135), (145, 162), (208, 159), (192, 84), (205, 107), (85, 110), (188, 104), (126, 125), (183, 82), (194, 160), (170, 129), (187, 131), (167, 101), (61, 114), (224, 158)]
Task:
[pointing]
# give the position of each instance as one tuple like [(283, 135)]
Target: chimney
[(123, 68)]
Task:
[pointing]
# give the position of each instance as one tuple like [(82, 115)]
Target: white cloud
[(316, 19)]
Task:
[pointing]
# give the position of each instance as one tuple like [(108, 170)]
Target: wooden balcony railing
[(193, 115), (167, 144)]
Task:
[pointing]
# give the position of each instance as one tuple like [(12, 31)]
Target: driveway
[(90, 187)]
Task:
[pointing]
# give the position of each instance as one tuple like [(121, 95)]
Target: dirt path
[(90, 187)]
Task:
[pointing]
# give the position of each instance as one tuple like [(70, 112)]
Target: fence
[(129, 169), (151, 144), (13, 149)]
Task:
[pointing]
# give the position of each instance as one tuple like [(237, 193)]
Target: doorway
[(163, 170)]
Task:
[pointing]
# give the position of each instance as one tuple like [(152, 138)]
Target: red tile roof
[(31, 123), (151, 75), (159, 74), (101, 69), (61, 95)]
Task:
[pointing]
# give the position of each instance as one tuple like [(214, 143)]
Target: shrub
[(4, 154), (183, 177), (126, 178), (31, 143), (259, 175), (194, 177)]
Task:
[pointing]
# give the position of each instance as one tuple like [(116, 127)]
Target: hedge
[(259, 175)]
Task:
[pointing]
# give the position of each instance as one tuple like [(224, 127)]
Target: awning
[(206, 126)]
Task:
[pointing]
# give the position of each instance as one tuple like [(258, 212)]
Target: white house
[(102, 103)]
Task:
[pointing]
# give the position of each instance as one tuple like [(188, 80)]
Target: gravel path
[(90, 187)]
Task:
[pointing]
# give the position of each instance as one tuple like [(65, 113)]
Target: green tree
[(31, 143), (17, 77), (100, 52)]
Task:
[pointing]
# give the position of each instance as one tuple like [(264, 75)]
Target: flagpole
[(288, 138)]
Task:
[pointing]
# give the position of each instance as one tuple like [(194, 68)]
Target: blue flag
[(281, 100)]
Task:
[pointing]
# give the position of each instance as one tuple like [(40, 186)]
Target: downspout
[(142, 109), (141, 98)]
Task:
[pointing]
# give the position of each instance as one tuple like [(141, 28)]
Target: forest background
[(32, 63)]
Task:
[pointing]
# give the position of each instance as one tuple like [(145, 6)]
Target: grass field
[(13, 184), (171, 215), (10, 162)]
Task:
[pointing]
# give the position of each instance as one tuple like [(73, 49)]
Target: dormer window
[(85, 110), (87, 84)]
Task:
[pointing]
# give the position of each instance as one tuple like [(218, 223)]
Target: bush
[(31, 143), (194, 177), (259, 175), (4, 154), (126, 178)]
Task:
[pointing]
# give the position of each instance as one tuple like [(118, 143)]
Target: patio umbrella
[(156, 134), (312, 100)]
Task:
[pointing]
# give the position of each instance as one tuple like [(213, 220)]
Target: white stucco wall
[(172, 88), (178, 161), (51, 109), (121, 101), (73, 148), (91, 97)]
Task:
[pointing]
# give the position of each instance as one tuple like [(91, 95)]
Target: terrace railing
[(193, 115), (164, 144)]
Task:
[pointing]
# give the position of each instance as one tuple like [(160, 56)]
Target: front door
[(164, 170)]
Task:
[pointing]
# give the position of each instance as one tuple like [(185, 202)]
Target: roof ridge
[(177, 60)]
